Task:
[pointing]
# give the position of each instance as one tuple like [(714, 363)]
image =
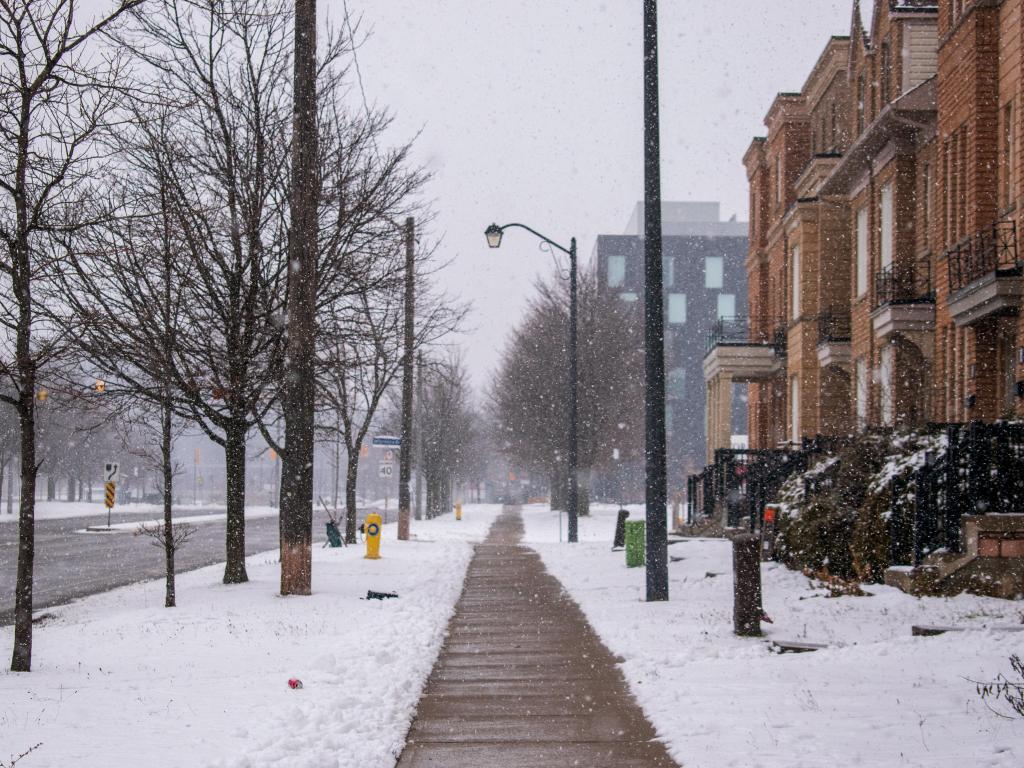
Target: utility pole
[(654, 323), (419, 439), (405, 449), (300, 392)]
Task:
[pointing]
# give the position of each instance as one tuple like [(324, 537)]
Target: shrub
[(818, 539), (869, 544)]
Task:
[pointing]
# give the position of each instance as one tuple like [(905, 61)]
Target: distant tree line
[(528, 401)]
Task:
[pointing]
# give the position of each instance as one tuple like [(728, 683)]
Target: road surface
[(69, 565)]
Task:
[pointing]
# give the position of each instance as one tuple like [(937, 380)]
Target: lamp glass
[(494, 234)]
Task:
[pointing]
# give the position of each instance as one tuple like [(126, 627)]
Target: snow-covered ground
[(120, 681), (877, 697), (59, 510)]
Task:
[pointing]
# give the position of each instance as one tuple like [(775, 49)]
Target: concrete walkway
[(523, 681)]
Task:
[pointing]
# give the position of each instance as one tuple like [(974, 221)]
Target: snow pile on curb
[(121, 681), (875, 697)]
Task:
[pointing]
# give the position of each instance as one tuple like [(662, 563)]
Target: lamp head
[(493, 234)]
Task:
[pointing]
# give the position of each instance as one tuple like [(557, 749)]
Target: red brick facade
[(885, 218)]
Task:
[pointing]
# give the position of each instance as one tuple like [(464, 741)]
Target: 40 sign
[(386, 471)]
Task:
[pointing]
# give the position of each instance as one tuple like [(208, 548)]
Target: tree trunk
[(168, 477), (22, 658), (10, 494), (51, 488), (71, 488), (583, 492), (3, 472), (234, 455), (351, 477), (88, 491), (299, 396)]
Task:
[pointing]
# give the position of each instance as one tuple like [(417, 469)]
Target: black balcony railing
[(905, 284), (738, 330), (992, 250), (833, 327)]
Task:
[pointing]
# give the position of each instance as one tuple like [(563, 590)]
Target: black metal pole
[(573, 403), (405, 449), (654, 323)]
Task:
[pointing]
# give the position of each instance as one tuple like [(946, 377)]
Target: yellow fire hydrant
[(458, 511), (373, 524)]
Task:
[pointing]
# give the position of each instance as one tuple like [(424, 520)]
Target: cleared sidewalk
[(523, 681)]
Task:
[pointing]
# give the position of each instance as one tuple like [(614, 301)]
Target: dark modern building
[(705, 280)]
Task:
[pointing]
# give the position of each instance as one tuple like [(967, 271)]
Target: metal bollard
[(458, 511), (635, 543), (746, 567), (373, 524), (620, 530)]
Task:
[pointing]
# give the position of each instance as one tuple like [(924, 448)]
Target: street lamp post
[(494, 234), (654, 323)]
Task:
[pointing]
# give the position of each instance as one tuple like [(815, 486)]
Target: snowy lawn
[(60, 510), (877, 697), (251, 513), (121, 681)]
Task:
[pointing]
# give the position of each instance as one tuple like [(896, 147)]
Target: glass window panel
[(668, 271), (714, 272), (616, 271), (677, 308), (726, 305)]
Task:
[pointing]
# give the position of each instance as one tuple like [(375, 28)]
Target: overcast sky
[(531, 111)]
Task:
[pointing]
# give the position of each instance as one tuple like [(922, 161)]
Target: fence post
[(954, 489), (746, 567)]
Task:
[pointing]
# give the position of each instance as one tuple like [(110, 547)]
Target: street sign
[(109, 495), (386, 441), (110, 470), (389, 456), (386, 471)]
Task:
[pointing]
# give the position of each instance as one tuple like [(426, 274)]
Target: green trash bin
[(635, 535)]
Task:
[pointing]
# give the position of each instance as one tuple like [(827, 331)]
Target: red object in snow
[(294, 683)]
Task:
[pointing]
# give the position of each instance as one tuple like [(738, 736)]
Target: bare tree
[(223, 68), (54, 96), (448, 431), (527, 399), (122, 292)]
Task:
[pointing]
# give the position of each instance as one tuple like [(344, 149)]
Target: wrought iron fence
[(910, 284), (740, 330), (981, 472), (993, 249), (834, 327)]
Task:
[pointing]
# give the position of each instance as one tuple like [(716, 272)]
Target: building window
[(628, 296), (794, 409), (885, 382), (726, 305), (861, 384), (795, 278), (886, 240), (1006, 159), (675, 386), (668, 271), (677, 308), (779, 186), (862, 251), (714, 272), (616, 271), (926, 196), (861, 106), (885, 72)]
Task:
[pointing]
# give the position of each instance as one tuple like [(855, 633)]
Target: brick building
[(883, 269)]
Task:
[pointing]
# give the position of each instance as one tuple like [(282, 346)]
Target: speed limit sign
[(387, 470)]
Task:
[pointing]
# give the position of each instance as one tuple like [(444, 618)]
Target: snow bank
[(876, 697), (60, 510), (121, 681)]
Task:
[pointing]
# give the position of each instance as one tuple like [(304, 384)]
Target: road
[(69, 565)]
